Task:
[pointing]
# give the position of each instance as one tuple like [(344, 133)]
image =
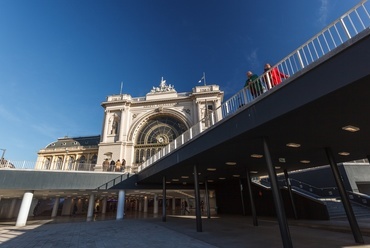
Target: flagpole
[(204, 78), (121, 88)]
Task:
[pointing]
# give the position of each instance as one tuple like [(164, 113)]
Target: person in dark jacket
[(254, 84)]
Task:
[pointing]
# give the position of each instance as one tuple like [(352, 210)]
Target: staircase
[(336, 209)]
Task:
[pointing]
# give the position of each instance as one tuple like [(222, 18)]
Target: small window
[(64, 143), (75, 143)]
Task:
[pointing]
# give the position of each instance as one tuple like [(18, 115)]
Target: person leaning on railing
[(274, 75), (254, 84)]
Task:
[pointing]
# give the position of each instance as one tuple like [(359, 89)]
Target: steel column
[(253, 206), (278, 201), (197, 201), (290, 194), (242, 195), (164, 200), (344, 196), (207, 199)]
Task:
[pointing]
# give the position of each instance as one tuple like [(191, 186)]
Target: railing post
[(244, 96), (345, 28), (300, 59)]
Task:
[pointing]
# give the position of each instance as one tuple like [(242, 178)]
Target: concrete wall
[(35, 180)]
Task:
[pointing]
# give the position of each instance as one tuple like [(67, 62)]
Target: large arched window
[(155, 134)]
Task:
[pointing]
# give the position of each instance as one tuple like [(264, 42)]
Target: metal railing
[(31, 165), (338, 32)]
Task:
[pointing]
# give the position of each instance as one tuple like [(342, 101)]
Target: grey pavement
[(178, 231)]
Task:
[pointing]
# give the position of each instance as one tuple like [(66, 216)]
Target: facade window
[(82, 162), (70, 163), (157, 133), (47, 164), (59, 163)]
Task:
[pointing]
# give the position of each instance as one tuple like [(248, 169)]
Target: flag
[(201, 79)]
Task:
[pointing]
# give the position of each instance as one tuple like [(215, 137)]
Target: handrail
[(341, 30), (113, 182)]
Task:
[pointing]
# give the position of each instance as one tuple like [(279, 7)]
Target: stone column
[(90, 209), (145, 204), (25, 209), (121, 127), (104, 128), (155, 208), (173, 204), (140, 205), (55, 208), (120, 205), (104, 206)]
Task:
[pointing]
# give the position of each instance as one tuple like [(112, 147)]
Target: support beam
[(278, 200), (251, 199), (164, 200), (290, 194), (344, 196), (197, 200)]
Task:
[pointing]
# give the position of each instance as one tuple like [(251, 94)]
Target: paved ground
[(177, 231)]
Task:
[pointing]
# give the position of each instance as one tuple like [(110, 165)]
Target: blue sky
[(60, 59)]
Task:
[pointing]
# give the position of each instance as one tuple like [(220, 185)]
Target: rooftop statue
[(163, 87)]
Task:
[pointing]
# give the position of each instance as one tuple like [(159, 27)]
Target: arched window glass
[(156, 134)]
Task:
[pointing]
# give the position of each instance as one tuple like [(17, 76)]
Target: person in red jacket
[(274, 75)]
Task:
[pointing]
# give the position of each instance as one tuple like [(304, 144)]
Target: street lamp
[(2, 156)]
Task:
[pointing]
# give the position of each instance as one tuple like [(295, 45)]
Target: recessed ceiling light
[(344, 153), (305, 161), (236, 175), (211, 169), (230, 163), (277, 167), (253, 172), (210, 181), (256, 155), (184, 176), (282, 160), (222, 178), (294, 145), (350, 128), (175, 180)]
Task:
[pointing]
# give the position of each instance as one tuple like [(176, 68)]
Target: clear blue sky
[(60, 59)]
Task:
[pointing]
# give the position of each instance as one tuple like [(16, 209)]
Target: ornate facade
[(133, 129), (79, 153), (136, 128)]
